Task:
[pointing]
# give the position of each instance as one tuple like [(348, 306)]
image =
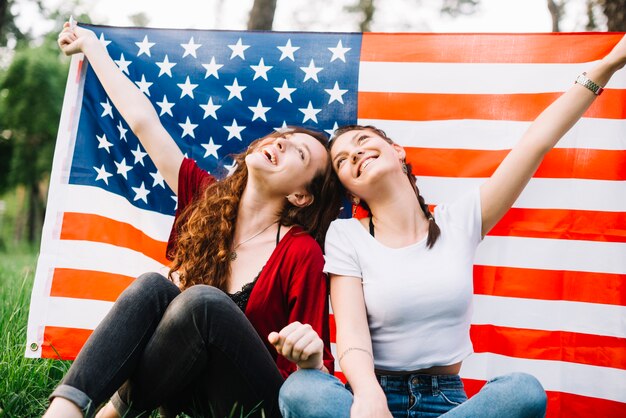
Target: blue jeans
[(193, 351), (313, 394)]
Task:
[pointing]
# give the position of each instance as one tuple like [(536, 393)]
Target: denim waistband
[(416, 382)]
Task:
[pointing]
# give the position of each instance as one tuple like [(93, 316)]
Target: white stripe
[(552, 254), (558, 376), (64, 147), (588, 133), (550, 315), (87, 255), (540, 193), (94, 200), (76, 313), (480, 78)]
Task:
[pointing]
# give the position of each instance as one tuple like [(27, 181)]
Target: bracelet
[(590, 85), (354, 349)]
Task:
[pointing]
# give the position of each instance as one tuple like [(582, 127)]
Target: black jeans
[(192, 352)]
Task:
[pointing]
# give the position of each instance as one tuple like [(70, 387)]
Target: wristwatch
[(585, 82)]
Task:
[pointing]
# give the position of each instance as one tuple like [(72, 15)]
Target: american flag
[(549, 280)]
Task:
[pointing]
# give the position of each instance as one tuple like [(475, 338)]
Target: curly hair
[(433, 229), (206, 227)]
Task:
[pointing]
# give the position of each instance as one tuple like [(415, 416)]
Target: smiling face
[(287, 164), (361, 157)]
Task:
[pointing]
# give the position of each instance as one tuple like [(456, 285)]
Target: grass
[(24, 383)]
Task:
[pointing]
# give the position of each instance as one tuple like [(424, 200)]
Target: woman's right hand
[(370, 406), (72, 40)]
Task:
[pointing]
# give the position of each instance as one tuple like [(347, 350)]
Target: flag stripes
[(549, 279), (482, 48), (558, 163)]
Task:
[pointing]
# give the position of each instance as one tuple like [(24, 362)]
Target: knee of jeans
[(303, 391), (532, 394), (200, 299), (151, 284)]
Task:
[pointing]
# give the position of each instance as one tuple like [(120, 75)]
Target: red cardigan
[(291, 286)]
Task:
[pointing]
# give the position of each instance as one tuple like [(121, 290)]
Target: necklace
[(233, 252)]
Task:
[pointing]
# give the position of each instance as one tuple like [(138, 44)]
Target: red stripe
[(486, 48), (575, 286), (63, 343), (572, 347), (563, 224), (88, 284), (578, 163), (514, 107), (88, 227), (561, 404), (333, 328)]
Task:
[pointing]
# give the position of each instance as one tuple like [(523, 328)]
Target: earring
[(405, 169), (356, 201)]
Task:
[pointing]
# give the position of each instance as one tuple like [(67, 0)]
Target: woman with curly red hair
[(246, 303)]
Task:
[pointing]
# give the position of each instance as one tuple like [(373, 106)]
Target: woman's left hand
[(300, 344)]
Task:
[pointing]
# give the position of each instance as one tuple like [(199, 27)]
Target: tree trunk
[(368, 8), (262, 15), (556, 13), (33, 211), (615, 11)]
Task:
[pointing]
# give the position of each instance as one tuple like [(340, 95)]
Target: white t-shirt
[(418, 300)]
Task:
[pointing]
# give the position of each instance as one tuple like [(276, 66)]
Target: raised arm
[(354, 347), (134, 106), (499, 192)]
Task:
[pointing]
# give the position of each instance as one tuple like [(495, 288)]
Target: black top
[(242, 296)]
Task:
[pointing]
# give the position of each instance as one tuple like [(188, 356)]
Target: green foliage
[(8, 28), (31, 95), (24, 383)]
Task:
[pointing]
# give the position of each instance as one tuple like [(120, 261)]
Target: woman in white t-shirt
[(401, 279)]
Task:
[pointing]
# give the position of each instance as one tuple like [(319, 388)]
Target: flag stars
[(211, 148), (158, 179), (235, 90), (188, 128), (190, 48), (144, 86), (238, 50), (141, 193), (104, 143), (260, 70), (165, 66), (122, 131), (331, 131), (144, 46), (139, 155), (166, 107), (339, 52), (287, 51), (231, 168), (123, 64), (122, 168), (282, 128), (310, 113), (108, 109), (284, 92), (103, 41), (102, 174), (234, 131), (336, 94), (259, 111), (310, 72), (210, 109), (187, 88), (212, 69)]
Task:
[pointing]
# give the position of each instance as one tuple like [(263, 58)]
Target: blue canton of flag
[(215, 92)]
